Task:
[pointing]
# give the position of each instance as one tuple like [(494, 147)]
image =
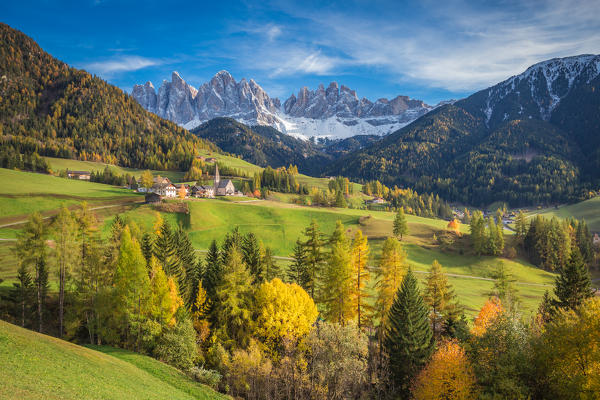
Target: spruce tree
[(269, 266), (573, 284), (477, 228), (165, 252), (22, 293), (213, 274), (314, 255), (298, 270), (400, 225), (504, 287), (340, 200), (520, 228), (147, 248), (252, 259), (584, 241), (408, 340), (187, 263)]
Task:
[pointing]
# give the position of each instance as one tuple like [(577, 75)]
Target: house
[(222, 188), (164, 189), (152, 198), (202, 191), (376, 200), (596, 240), (83, 175), (157, 180), (210, 160)]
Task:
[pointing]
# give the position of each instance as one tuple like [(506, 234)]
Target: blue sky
[(429, 50)]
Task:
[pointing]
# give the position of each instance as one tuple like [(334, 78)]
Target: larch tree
[(360, 256), (252, 259), (147, 180), (408, 338), (449, 375), (440, 297), (400, 224), (269, 265), (337, 285), (490, 311), (22, 293), (389, 273), (31, 251), (65, 231), (573, 285)]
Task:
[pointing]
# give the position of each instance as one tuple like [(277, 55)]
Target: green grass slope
[(36, 366), (588, 210)]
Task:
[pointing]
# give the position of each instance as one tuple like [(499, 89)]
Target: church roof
[(223, 184)]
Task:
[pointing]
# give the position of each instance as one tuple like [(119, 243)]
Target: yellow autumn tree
[(568, 352), (199, 312), (389, 273), (158, 221), (282, 310), (165, 298), (181, 193), (487, 315), (448, 376), (454, 226), (360, 256), (146, 179)]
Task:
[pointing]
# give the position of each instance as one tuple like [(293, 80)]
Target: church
[(222, 188)]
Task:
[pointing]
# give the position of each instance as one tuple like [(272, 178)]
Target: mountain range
[(335, 112)]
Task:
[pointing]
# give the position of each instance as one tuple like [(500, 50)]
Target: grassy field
[(59, 164), (589, 210), (36, 366)]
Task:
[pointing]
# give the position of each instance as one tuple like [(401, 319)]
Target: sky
[(428, 50)]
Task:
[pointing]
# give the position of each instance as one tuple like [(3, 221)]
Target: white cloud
[(121, 64), (460, 48), (273, 32)]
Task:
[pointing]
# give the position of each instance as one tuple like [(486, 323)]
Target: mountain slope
[(49, 107), (36, 366), (335, 112), (263, 145), (533, 138)]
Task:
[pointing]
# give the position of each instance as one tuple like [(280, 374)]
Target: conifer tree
[(520, 228), (233, 308), (584, 241), (337, 281), (360, 256), (477, 228), (23, 292), (165, 252), (504, 287), (408, 340), (313, 256), (31, 252), (213, 275), (147, 248), (298, 270), (440, 297), (66, 255), (270, 267), (252, 259), (188, 264), (573, 284), (400, 225), (340, 200), (389, 273)]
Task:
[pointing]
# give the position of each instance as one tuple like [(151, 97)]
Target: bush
[(177, 346), (207, 377)]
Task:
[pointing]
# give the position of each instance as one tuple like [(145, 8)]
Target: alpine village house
[(163, 187)]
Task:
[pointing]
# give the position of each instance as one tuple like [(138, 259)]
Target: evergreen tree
[(408, 340), (573, 284), (66, 255), (520, 228), (400, 225), (360, 256), (270, 267), (233, 308), (477, 228), (584, 241), (340, 200), (337, 280), (232, 239), (546, 308), (188, 264), (492, 245), (213, 275), (31, 251), (504, 287), (22, 293), (252, 259), (147, 248), (440, 297), (298, 270), (165, 252), (313, 255)]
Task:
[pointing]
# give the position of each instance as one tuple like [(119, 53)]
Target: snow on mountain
[(537, 92), (336, 112)]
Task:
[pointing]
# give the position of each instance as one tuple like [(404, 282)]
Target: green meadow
[(588, 210), (36, 366)]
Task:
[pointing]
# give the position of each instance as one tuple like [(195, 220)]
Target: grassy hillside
[(36, 366), (278, 225), (589, 210), (22, 193)]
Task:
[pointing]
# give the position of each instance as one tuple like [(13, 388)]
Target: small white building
[(164, 189)]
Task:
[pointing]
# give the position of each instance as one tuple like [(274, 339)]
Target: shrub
[(207, 377)]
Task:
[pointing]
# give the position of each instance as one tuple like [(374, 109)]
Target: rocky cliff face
[(333, 112)]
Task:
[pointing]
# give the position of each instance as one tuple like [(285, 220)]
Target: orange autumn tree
[(454, 226), (487, 315), (448, 375)]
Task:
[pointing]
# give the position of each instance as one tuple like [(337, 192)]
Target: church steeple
[(217, 176)]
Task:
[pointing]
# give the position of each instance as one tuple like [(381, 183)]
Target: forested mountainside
[(55, 110), (534, 138)]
